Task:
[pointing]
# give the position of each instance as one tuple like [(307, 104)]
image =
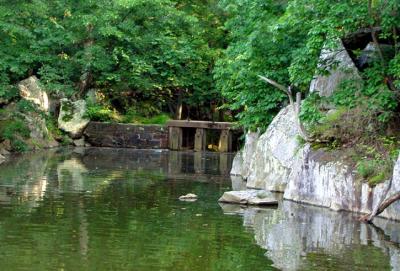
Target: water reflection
[(302, 237), (111, 209)]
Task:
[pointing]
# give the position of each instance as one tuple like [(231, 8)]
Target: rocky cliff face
[(270, 165), (278, 162)]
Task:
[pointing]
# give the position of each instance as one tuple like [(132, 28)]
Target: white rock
[(2, 159), (275, 153), (249, 197), (30, 90), (72, 117), (188, 197)]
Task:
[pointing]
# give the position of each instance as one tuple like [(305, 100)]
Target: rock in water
[(72, 117), (249, 197), (30, 90), (188, 197)]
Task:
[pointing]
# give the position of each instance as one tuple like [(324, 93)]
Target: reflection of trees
[(100, 215)]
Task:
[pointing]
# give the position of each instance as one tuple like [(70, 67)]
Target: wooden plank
[(202, 124)]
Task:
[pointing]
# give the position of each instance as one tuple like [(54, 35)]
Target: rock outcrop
[(280, 163), (270, 165), (31, 90), (340, 67), (72, 117), (241, 162)]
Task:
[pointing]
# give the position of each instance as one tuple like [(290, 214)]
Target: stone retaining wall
[(127, 135)]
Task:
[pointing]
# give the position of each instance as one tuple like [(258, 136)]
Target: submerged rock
[(188, 197), (31, 90), (248, 197), (72, 117)]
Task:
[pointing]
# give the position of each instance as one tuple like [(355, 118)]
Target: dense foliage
[(132, 50), (283, 39)]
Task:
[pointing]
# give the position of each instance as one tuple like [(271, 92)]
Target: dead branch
[(296, 106)]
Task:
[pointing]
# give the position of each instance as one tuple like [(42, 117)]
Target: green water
[(103, 209)]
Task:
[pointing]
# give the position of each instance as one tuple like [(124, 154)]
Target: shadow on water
[(117, 209)]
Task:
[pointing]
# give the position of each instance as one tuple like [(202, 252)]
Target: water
[(103, 209)]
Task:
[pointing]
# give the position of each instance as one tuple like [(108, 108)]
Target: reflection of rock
[(249, 197), (72, 117), (30, 90), (291, 233), (2, 159), (70, 174)]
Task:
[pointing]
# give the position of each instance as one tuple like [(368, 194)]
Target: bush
[(96, 112)]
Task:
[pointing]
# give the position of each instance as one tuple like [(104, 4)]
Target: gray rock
[(31, 90), (325, 181), (79, 142), (275, 153), (248, 197), (340, 67), (242, 160), (72, 117), (2, 159), (370, 54), (39, 134)]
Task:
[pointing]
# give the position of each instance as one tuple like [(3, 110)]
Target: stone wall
[(127, 135)]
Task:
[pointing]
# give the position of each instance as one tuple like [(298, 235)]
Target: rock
[(275, 152), (2, 159), (79, 142), (5, 146), (343, 69), (248, 197), (242, 160), (321, 179), (188, 197), (370, 54), (72, 117), (3, 151), (31, 90), (39, 134)]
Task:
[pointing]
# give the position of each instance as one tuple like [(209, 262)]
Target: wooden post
[(175, 138), (225, 141), (200, 140)]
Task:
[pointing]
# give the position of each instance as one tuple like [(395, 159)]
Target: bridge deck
[(202, 124)]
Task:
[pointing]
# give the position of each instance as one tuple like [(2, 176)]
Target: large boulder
[(72, 117), (40, 137), (249, 197), (275, 153), (340, 67), (31, 90)]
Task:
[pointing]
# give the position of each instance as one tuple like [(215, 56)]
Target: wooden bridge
[(191, 134)]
